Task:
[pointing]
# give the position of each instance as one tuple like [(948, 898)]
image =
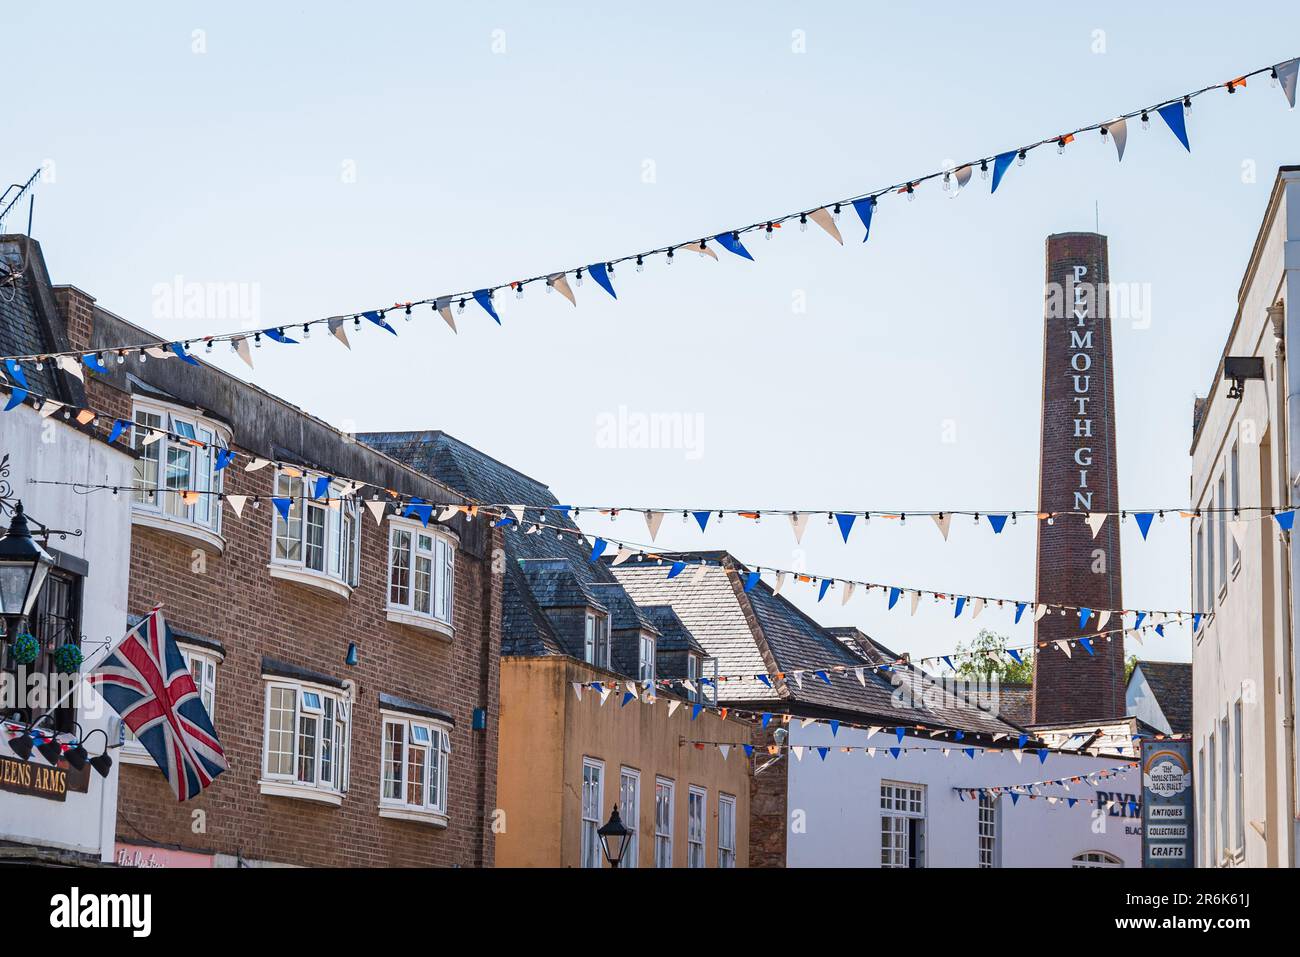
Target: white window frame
[(596, 639), (330, 705), (900, 803), (592, 804), (665, 796), (1234, 493), (697, 825), (1238, 781), (1222, 516), (340, 525), (726, 830), (430, 740), (629, 809), (153, 503), (988, 830), (646, 658), (1096, 859), (407, 538)]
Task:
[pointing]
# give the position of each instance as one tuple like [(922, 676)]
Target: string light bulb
[(984, 169), (767, 232), (306, 330), (519, 290), (640, 264), (803, 222), (578, 277), (835, 213), (670, 257), (1060, 146), (460, 306), (1020, 158), (911, 193), (947, 181), (1146, 120)]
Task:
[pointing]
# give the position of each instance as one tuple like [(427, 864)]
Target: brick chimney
[(78, 311), (1077, 472)]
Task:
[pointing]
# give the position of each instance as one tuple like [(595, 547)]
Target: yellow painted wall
[(545, 734)]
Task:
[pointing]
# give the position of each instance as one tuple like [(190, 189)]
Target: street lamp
[(614, 838), (23, 567)]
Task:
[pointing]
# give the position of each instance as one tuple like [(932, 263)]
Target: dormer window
[(646, 659), (177, 484), (595, 649), (315, 541)]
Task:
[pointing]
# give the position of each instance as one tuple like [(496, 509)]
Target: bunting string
[(825, 216)]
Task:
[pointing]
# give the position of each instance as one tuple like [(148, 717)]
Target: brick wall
[(231, 598), (768, 795), (1073, 567)]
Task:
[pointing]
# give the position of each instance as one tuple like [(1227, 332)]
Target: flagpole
[(85, 669)]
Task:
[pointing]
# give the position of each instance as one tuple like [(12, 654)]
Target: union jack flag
[(147, 682)]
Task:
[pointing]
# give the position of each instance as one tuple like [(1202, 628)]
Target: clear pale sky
[(492, 141)]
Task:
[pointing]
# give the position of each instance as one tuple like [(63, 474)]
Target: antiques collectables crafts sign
[(1167, 809)]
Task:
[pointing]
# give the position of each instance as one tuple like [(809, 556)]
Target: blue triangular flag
[(969, 752), (695, 712), (961, 603), (900, 732), (1084, 615), (598, 549), (960, 735), (732, 244), (1015, 798), (766, 681), (822, 752), (179, 349), (627, 696), (998, 522), (1042, 755), (702, 518), (1015, 655), (893, 596), (484, 298), (600, 273), (676, 569), (1196, 622), (835, 727), (1160, 629), (1023, 739), (948, 661), (1137, 622), (378, 319), (282, 505), (895, 752), (1285, 520), (864, 208), (1175, 119), (18, 391), (821, 592), (277, 336), (563, 509), (1020, 610), (119, 426), (224, 458), (767, 716), (322, 489), (1071, 802), (1087, 645), (751, 580), (749, 750), (1001, 163), (1144, 521), (823, 675), (846, 524)]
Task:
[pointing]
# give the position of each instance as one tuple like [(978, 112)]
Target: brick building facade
[(1077, 473), (266, 607)]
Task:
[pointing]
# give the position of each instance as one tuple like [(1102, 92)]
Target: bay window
[(175, 477), (315, 542), (421, 575), (414, 759), (305, 747)]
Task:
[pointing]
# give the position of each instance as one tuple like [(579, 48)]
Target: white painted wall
[(50, 449), (840, 803)]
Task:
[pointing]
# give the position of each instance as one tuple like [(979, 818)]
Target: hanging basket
[(68, 658), (26, 649)]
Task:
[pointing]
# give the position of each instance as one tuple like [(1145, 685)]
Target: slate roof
[(29, 322), (737, 628), (1171, 684), (525, 629), (624, 613), (673, 633), (1016, 701)]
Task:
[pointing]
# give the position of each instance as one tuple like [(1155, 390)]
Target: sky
[(333, 157)]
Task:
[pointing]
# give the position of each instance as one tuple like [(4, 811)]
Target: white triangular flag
[(336, 329), (673, 705), (1286, 77), (624, 553), (872, 731), (1039, 612), (862, 676), (49, 407), (976, 607), (159, 353), (1238, 528), (725, 749), (237, 503), (1095, 521), (518, 512), (916, 601), (1102, 618), (689, 685), (577, 690), (604, 694), (444, 309), (871, 752), (798, 522), (652, 522), (448, 512), (377, 507), (848, 593), (807, 722), (798, 678), (72, 367), (155, 435), (245, 353), (700, 572), (559, 283), (780, 582), (826, 221), (798, 752), (1136, 635), (1065, 647), (256, 464), (1018, 755), (943, 521), (1119, 132)]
